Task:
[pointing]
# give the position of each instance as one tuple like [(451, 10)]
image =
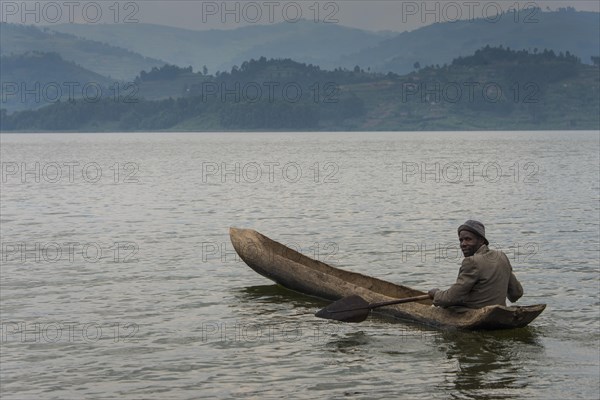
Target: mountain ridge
[(102, 58), (334, 45), (226, 48)]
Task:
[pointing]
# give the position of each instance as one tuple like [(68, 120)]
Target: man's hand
[(432, 292)]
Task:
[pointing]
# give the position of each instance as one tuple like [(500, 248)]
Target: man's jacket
[(484, 279)]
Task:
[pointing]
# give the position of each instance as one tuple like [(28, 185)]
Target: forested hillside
[(496, 88)]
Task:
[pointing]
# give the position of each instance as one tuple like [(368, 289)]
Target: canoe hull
[(303, 274)]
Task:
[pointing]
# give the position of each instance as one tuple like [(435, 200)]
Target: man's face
[(469, 242)]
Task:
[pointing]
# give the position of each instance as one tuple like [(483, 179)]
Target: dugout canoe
[(303, 274)]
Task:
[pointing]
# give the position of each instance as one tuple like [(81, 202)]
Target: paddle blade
[(349, 309)]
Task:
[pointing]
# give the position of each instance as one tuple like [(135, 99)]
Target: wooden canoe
[(300, 273)]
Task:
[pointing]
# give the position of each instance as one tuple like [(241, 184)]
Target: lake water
[(118, 279)]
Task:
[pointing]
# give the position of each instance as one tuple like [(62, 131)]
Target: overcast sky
[(372, 15)]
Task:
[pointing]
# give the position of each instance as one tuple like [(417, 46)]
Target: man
[(485, 277)]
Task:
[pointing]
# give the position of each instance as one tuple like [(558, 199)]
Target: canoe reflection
[(277, 294), (489, 364)]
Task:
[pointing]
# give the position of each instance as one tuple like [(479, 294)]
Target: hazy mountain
[(36, 79), (576, 32), (305, 41), (104, 59), (333, 45)]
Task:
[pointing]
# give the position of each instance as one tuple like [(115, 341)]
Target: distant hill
[(333, 45), (438, 44), (34, 79), (305, 41), (104, 59), (494, 88)]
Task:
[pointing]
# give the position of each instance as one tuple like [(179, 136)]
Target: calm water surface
[(118, 279)]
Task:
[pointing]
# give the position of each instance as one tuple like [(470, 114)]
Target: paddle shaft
[(399, 301), (356, 309)]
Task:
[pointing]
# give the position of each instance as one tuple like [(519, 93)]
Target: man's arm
[(458, 293), (515, 290)]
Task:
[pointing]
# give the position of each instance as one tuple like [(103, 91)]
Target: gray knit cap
[(475, 227)]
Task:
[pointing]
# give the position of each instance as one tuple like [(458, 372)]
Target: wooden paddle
[(356, 309)]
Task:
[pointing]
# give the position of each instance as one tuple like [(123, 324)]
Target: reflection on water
[(349, 342), (278, 294), (489, 365)]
